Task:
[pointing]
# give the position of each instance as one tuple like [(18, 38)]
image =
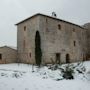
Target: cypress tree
[(38, 52)]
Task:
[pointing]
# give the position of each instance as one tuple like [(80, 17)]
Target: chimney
[(54, 14)]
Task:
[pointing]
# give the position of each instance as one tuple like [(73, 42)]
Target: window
[(59, 26), (24, 28), (74, 42), (0, 56), (30, 55), (73, 30)]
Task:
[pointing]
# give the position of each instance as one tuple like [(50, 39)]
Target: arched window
[(30, 54), (74, 43), (24, 28)]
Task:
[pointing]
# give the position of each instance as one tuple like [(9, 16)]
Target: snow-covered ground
[(28, 77)]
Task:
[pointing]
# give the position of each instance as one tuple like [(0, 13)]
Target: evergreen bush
[(38, 52)]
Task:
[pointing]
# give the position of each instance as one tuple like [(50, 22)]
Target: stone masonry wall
[(56, 37), (8, 55), (62, 40)]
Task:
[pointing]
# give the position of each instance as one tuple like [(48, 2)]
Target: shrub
[(38, 52), (68, 72)]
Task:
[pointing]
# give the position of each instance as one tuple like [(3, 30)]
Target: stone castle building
[(61, 41)]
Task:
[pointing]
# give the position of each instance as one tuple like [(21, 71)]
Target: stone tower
[(61, 41)]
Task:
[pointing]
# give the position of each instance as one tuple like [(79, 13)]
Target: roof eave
[(49, 17), (27, 19)]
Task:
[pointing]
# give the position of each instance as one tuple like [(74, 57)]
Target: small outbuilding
[(8, 54)]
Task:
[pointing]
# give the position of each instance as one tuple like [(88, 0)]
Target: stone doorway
[(58, 58), (67, 58), (0, 56)]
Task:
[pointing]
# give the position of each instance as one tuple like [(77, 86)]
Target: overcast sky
[(13, 11)]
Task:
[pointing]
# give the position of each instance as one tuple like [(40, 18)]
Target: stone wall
[(57, 37), (87, 26), (26, 40), (61, 40), (8, 55)]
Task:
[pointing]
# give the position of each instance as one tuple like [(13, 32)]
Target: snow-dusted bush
[(68, 72), (54, 67), (80, 68), (88, 75), (17, 74)]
